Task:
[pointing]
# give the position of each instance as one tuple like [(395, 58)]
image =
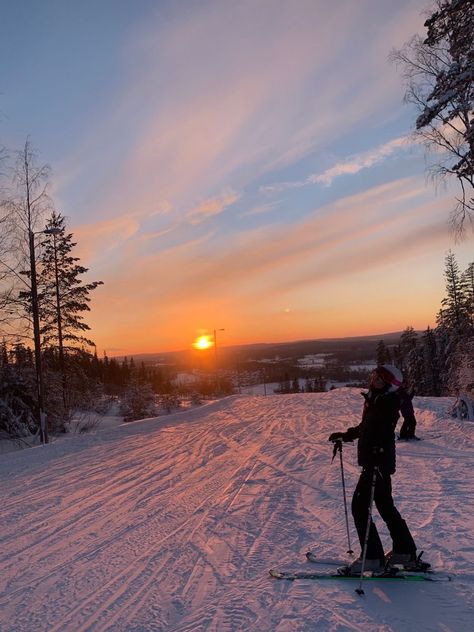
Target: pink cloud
[(211, 207)]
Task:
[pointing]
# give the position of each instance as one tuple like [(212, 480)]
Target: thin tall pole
[(338, 448), (59, 320), (36, 334), (349, 550), (215, 361), (215, 357)]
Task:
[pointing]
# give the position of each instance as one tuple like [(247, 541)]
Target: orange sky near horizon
[(343, 270)]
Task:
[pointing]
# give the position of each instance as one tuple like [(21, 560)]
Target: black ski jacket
[(376, 431), (406, 404)]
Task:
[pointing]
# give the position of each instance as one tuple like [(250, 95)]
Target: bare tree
[(439, 77), (24, 207)]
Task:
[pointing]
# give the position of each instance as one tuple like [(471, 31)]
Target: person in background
[(376, 455), (407, 430)]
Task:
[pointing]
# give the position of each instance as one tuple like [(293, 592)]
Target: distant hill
[(352, 348)]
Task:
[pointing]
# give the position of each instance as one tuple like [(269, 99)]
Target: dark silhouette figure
[(407, 430), (376, 456)]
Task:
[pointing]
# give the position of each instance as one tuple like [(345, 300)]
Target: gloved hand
[(338, 436)]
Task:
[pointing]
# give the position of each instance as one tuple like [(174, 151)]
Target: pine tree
[(126, 372), (432, 376), (382, 354), (97, 372), (453, 314), (455, 329), (64, 295), (408, 342), (319, 384), (459, 370), (17, 405), (415, 374), (138, 402), (468, 290), (3, 354), (285, 385)]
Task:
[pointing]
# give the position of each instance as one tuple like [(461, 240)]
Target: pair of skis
[(343, 572)]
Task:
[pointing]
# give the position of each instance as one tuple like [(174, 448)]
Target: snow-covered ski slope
[(173, 523)]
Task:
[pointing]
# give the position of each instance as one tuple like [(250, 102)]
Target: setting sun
[(203, 342)]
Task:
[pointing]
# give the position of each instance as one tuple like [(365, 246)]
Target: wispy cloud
[(274, 255), (212, 207), (105, 235), (364, 160), (337, 230), (260, 209), (230, 113), (350, 166)]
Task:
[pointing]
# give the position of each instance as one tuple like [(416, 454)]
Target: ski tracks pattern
[(174, 527)]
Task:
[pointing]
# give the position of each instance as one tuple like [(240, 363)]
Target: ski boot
[(406, 562)]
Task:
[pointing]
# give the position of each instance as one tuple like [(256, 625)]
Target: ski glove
[(339, 436)]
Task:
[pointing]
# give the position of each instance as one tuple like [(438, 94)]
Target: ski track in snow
[(173, 523)]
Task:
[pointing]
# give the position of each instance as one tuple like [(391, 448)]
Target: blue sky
[(242, 165)]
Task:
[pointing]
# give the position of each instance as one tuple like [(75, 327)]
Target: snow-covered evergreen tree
[(468, 291), (432, 375), (439, 73), (138, 402), (17, 404), (453, 314), (461, 377), (455, 331), (406, 348)]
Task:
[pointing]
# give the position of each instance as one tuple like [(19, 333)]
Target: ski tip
[(281, 575)]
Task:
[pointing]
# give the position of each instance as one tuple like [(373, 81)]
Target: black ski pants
[(407, 430), (399, 532)]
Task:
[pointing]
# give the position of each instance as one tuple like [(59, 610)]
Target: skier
[(407, 430), (376, 455)]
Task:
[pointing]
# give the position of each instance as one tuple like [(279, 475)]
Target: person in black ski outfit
[(407, 430), (376, 451)]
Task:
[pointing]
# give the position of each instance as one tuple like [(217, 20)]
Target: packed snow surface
[(173, 523)]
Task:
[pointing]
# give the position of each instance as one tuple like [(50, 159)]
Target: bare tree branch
[(439, 78)]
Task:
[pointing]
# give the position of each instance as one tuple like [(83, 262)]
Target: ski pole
[(338, 448), (359, 590)]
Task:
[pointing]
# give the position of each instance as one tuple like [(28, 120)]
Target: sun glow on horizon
[(203, 342)]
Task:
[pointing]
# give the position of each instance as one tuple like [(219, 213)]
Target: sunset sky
[(240, 165)]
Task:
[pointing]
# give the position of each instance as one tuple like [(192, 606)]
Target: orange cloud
[(211, 207)]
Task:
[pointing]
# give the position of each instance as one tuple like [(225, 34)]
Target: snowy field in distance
[(172, 524)]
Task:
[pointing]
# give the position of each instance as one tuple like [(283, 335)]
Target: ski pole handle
[(337, 448)]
